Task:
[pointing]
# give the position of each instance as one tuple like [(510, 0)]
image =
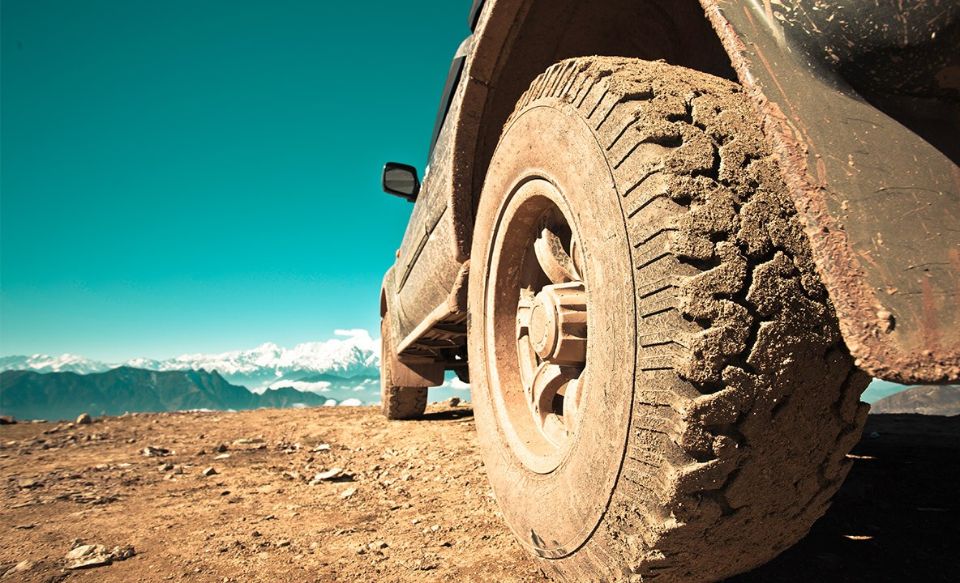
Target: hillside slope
[(64, 395), (923, 400)]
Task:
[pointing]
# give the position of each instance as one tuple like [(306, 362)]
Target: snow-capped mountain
[(351, 355), (47, 363), (343, 370)]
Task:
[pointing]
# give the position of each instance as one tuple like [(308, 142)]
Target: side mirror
[(401, 180)]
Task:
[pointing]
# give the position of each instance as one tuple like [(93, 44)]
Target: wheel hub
[(551, 331), (558, 324)]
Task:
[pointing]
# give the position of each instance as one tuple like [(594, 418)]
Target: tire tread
[(711, 286)]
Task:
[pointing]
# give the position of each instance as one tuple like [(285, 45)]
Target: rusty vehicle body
[(861, 105), (858, 106)]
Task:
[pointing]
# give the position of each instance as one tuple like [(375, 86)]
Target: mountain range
[(351, 358), (344, 370), (64, 395)]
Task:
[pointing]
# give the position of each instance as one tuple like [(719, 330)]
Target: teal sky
[(187, 176)]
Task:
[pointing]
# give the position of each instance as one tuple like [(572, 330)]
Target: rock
[(153, 451), (209, 472), (7, 420), (221, 456), (166, 467), (453, 402), (21, 567), (283, 543), (348, 493), (425, 565), (321, 447), (122, 552), (221, 447), (330, 474), (84, 419), (87, 556), (289, 447), (96, 560), (249, 441), (377, 545)]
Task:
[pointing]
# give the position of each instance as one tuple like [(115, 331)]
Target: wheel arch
[(516, 40), (387, 292)]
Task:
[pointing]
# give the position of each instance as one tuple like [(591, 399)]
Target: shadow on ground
[(896, 517), (448, 415)]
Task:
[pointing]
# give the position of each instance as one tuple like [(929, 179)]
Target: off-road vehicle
[(669, 271)]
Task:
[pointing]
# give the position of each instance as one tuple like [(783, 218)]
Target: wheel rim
[(538, 314)]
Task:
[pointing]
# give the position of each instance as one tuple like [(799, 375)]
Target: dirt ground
[(411, 502)]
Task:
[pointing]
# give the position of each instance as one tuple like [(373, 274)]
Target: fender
[(403, 373), (879, 203)]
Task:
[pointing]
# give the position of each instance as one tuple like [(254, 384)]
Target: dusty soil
[(412, 503)]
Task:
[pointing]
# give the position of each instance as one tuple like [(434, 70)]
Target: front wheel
[(397, 401), (659, 382)]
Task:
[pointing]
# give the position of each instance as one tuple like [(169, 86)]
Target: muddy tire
[(396, 402), (660, 386)]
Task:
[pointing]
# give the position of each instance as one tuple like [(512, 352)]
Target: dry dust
[(420, 507), (411, 503)]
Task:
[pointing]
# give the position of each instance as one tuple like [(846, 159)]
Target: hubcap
[(552, 331), (540, 267)]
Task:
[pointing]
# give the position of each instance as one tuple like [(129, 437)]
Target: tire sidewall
[(553, 514), (386, 362)]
